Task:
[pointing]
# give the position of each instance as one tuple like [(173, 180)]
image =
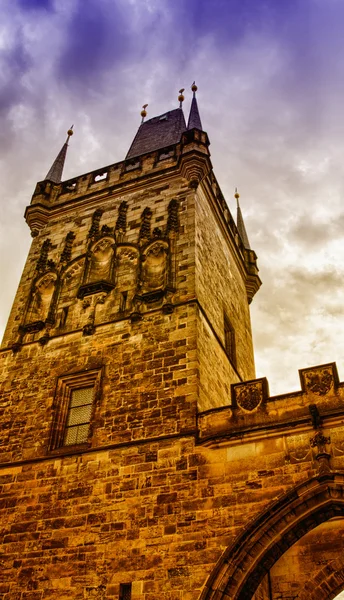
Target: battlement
[(254, 414)]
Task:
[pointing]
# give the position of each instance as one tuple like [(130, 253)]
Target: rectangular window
[(79, 416), (74, 405), (125, 591), (229, 336)]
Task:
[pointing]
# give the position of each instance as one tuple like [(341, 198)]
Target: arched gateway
[(244, 564)]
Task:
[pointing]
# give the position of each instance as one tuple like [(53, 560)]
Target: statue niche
[(40, 304), (127, 266), (99, 267), (70, 281), (154, 271)]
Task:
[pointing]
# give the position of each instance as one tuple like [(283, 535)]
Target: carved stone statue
[(154, 269)]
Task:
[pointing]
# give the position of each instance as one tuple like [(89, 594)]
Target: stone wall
[(160, 513)]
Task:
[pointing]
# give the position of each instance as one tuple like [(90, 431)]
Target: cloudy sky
[(271, 89)]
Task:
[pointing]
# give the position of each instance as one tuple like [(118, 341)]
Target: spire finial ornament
[(181, 97), (69, 133), (144, 112), (237, 196), (194, 89)]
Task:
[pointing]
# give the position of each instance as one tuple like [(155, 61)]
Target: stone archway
[(244, 564), (326, 583)]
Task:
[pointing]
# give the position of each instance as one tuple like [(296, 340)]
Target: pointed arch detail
[(243, 565)]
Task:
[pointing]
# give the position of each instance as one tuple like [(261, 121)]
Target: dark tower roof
[(240, 224), (159, 132), (55, 172)]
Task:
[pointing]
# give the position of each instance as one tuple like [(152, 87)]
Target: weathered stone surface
[(175, 489)]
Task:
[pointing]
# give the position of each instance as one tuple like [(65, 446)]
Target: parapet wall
[(254, 415)]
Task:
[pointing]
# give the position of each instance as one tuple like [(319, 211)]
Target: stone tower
[(136, 444)]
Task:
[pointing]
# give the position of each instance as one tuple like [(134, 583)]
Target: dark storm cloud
[(31, 5), (14, 63), (97, 37)]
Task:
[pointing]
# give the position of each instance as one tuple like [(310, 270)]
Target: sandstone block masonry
[(139, 456)]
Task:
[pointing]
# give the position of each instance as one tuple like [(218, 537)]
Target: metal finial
[(237, 196), (69, 133), (194, 88), (144, 112), (181, 97)]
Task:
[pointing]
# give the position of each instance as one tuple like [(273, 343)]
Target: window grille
[(76, 397), (79, 416)]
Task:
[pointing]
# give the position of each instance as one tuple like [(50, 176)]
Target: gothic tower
[(134, 437)]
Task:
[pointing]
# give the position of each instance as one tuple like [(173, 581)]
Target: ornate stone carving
[(173, 217), (320, 441), (89, 327), (43, 258), (145, 229), (121, 223), (298, 449), (127, 270), (100, 263), (319, 381), (106, 230), (67, 250), (248, 396), (154, 271), (94, 229), (41, 297)]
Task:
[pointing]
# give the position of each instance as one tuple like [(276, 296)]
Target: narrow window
[(75, 400), (79, 416), (123, 301), (125, 591), (229, 340)]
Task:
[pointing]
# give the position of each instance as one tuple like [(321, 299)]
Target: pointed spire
[(194, 118), (240, 223), (55, 172)]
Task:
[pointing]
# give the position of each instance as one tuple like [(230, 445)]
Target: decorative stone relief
[(145, 229), (43, 258), (121, 223), (173, 217), (100, 262), (338, 441), (319, 380), (94, 229), (126, 269), (249, 396), (154, 270), (41, 298), (320, 441), (99, 267), (298, 449), (89, 327), (67, 250)]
